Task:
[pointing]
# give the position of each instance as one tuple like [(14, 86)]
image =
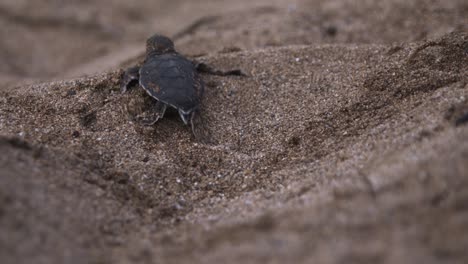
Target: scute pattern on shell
[(172, 79)]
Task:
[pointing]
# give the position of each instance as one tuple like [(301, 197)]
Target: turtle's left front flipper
[(205, 68), (130, 75)]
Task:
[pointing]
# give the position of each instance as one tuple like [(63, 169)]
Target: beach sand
[(347, 141)]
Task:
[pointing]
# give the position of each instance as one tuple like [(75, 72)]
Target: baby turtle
[(171, 79)]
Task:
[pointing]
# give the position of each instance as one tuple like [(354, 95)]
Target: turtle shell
[(173, 80)]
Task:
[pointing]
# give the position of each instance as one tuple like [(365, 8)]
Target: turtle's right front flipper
[(205, 68), (130, 75)]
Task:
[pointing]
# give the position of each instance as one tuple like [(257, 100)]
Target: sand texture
[(347, 141)]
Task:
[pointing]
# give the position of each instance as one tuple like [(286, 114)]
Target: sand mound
[(327, 151)]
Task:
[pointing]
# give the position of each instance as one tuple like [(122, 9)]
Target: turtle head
[(159, 44)]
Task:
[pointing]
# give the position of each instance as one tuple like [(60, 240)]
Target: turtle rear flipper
[(200, 130), (156, 112), (130, 75), (186, 117)]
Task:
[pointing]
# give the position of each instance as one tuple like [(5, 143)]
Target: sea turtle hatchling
[(171, 79)]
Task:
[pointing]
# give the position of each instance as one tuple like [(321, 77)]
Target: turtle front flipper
[(157, 111), (205, 68), (130, 75)]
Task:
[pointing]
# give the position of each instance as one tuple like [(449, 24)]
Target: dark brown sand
[(346, 143)]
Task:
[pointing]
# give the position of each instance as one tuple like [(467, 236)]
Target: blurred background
[(46, 39)]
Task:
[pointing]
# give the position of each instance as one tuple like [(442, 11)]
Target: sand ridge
[(341, 145)]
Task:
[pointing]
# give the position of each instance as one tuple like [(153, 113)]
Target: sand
[(347, 141)]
